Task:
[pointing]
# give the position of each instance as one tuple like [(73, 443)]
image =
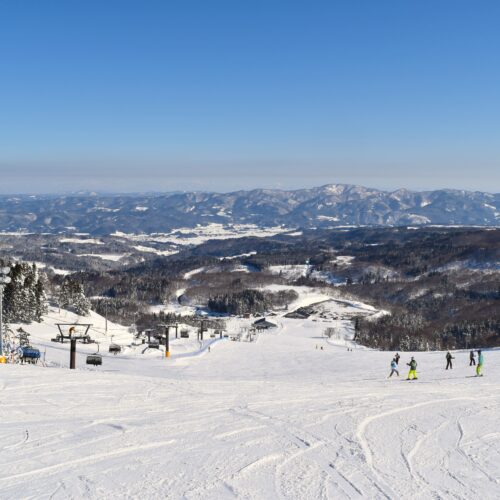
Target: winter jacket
[(472, 356), (412, 364), (480, 360), (394, 365), (449, 356)]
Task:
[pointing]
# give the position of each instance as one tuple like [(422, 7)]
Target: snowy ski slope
[(277, 418)]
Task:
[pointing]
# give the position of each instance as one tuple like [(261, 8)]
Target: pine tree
[(72, 297), (40, 300), (24, 296), (15, 296)]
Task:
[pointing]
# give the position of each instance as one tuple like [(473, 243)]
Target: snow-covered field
[(201, 233), (104, 256), (289, 271), (288, 416)]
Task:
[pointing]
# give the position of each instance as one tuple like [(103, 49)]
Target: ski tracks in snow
[(426, 439)]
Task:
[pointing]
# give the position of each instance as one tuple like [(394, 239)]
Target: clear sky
[(137, 95)]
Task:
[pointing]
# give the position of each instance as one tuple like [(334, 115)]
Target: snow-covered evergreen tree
[(72, 296), (41, 307), (24, 296)]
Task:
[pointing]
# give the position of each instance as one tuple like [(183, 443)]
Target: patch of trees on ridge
[(250, 301)]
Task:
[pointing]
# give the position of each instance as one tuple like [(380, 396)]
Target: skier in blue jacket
[(394, 368)]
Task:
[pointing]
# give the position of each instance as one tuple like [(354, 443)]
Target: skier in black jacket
[(472, 358), (449, 357)]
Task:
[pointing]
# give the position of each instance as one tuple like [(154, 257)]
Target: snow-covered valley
[(291, 415)]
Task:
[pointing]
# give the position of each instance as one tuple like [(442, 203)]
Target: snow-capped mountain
[(330, 205)]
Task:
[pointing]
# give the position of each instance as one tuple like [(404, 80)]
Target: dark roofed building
[(263, 324)]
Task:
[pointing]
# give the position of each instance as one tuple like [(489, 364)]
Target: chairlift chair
[(95, 359), (29, 354), (154, 344), (115, 348)]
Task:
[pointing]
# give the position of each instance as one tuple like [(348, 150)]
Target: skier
[(449, 357), (472, 358), (394, 368), (397, 358), (480, 363), (412, 374)]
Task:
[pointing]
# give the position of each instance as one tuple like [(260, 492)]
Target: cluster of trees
[(24, 297), (250, 301), (72, 297), (406, 332), (239, 303), (119, 310)]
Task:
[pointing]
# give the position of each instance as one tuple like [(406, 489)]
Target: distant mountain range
[(326, 206)]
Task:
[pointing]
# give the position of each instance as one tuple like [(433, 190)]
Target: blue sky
[(160, 95)]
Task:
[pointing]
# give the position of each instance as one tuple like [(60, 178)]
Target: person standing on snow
[(449, 357), (412, 374), (472, 358), (480, 363), (394, 368), (396, 358)]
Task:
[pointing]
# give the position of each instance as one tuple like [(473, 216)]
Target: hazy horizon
[(102, 191)]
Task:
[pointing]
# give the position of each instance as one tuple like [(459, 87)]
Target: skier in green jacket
[(412, 374)]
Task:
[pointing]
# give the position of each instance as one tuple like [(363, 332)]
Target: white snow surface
[(272, 419), (92, 241), (105, 256)]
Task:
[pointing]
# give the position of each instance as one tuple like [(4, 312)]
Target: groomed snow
[(276, 418)]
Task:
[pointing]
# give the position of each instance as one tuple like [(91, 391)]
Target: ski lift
[(29, 354), (115, 349), (154, 344), (68, 331), (95, 359)]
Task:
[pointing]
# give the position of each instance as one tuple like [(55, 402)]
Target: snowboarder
[(480, 363), (472, 358), (449, 357), (397, 358), (412, 374), (394, 368)]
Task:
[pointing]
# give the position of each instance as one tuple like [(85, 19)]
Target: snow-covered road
[(278, 418)]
